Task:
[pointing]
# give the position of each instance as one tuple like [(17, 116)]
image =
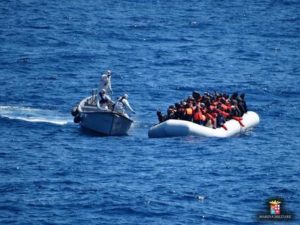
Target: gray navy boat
[(103, 121)]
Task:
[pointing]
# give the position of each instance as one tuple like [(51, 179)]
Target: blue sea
[(53, 54)]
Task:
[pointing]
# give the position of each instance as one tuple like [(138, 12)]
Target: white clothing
[(105, 83), (122, 106)]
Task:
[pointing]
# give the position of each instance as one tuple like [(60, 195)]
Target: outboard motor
[(77, 119)]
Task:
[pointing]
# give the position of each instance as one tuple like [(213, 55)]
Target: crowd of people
[(210, 109)]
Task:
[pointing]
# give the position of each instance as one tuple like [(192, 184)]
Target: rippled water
[(52, 54)]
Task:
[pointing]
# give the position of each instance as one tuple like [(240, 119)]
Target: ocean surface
[(53, 54)]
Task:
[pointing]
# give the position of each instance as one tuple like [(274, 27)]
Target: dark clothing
[(245, 106), (171, 114), (235, 112), (180, 113), (160, 117), (196, 95), (242, 105), (188, 117), (241, 108), (220, 120), (103, 98)]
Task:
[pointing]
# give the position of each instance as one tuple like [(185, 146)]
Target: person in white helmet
[(122, 105), (105, 82), (103, 100)]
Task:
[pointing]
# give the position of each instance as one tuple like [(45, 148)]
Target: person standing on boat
[(105, 82), (122, 105)]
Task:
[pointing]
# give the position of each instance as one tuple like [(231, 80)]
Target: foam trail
[(33, 115)]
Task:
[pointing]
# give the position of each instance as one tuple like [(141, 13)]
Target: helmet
[(125, 96), (108, 72)]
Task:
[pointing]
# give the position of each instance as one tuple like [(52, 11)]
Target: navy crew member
[(105, 82), (122, 105)]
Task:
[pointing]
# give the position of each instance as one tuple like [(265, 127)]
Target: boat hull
[(106, 123), (177, 128)]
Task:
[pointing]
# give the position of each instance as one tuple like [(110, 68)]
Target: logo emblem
[(276, 211), (275, 207)]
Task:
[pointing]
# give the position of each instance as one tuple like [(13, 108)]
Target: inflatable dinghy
[(177, 128)]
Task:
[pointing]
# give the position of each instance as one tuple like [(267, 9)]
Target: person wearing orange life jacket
[(221, 117), (223, 113), (224, 106), (198, 116), (210, 119), (189, 112)]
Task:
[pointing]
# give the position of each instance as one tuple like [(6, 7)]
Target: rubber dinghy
[(177, 128)]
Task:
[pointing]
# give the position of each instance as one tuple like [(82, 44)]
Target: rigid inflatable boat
[(177, 128)]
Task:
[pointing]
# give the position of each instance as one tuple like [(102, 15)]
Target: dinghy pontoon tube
[(177, 128)]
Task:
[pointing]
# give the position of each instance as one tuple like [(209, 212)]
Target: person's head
[(196, 95), (190, 99), (103, 91), (125, 96), (234, 95), (108, 72), (242, 96), (170, 110)]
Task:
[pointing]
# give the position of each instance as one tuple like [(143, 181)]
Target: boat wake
[(33, 115)]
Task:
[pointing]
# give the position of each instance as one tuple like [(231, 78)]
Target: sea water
[(53, 54)]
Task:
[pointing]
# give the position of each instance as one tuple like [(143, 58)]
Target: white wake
[(34, 115)]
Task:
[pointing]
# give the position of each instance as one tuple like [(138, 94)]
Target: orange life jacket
[(211, 107), (209, 116), (189, 111), (198, 116), (225, 114), (225, 107), (239, 119)]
